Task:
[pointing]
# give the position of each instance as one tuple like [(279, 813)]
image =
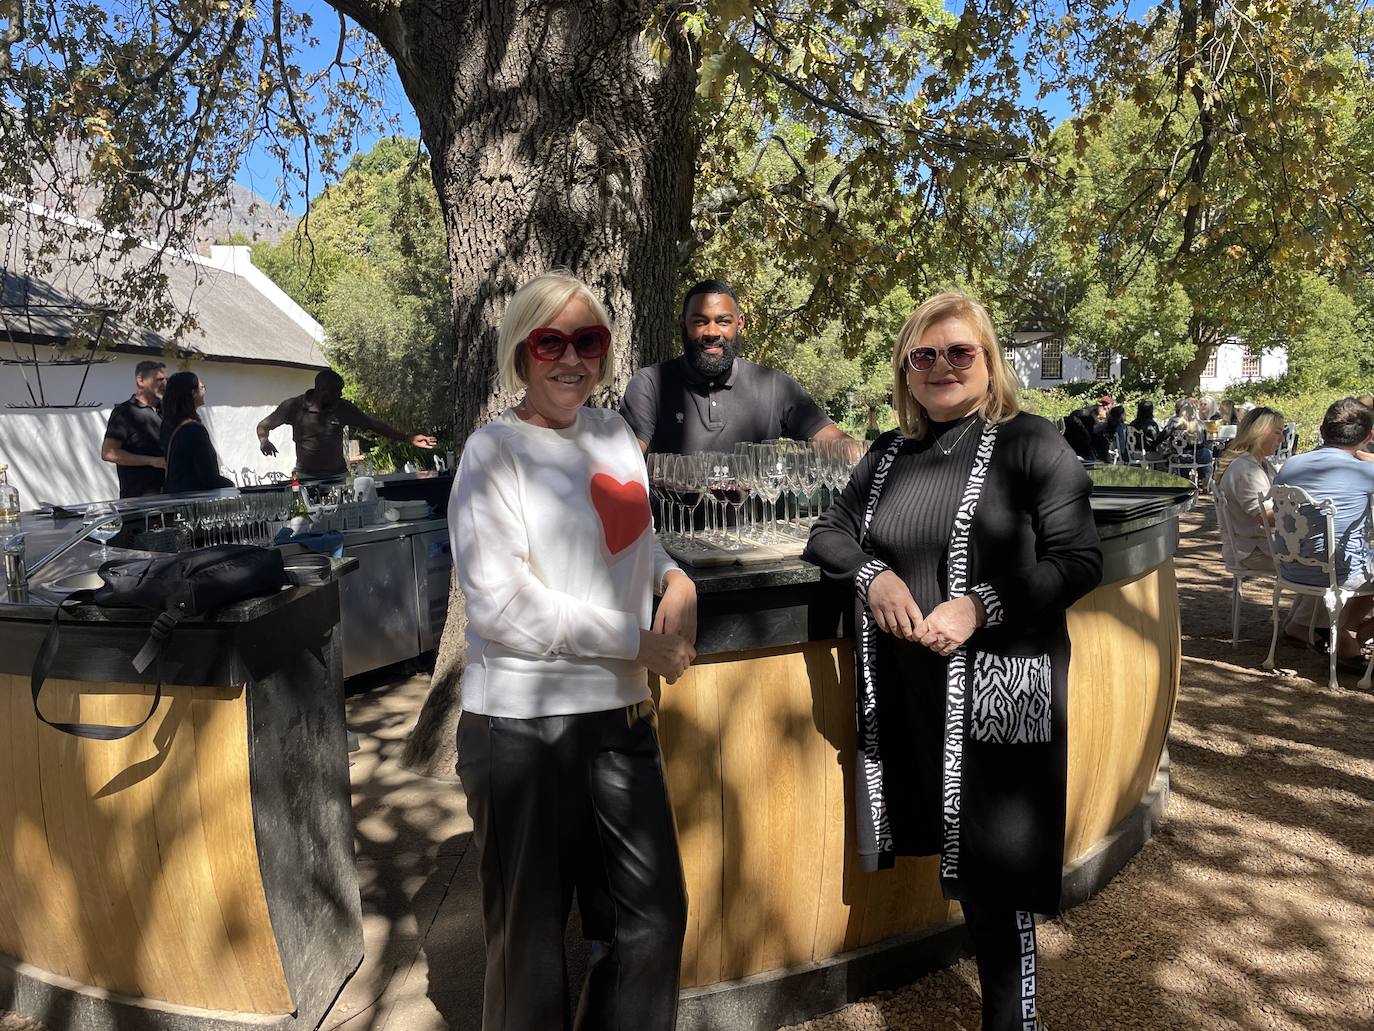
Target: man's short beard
[(711, 366)]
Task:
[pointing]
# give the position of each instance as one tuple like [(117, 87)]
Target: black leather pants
[(1004, 942), (565, 804)]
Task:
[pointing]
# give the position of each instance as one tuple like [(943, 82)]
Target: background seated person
[(1144, 422), (1244, 477), (1080, 431), (709, 398), (1334, 471)]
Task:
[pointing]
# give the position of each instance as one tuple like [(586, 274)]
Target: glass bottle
[(9, 500), (298, 505)]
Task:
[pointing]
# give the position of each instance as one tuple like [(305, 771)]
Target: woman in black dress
[(192, 463), (967, 535)]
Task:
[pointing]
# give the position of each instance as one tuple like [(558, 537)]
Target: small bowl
[(307, 570)]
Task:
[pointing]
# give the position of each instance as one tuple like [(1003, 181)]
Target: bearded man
[(709, 398)]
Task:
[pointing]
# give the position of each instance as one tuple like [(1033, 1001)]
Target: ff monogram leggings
[(564, 804), (1004, 940)]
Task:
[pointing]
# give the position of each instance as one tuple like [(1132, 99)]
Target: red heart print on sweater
[(623, 509)]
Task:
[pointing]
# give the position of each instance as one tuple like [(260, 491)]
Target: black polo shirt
[(138, 429), (676, 410)]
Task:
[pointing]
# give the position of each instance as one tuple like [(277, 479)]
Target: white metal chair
[(247, 477), (1239, 573), (1180, 448), (1299, 518), (273, 476)]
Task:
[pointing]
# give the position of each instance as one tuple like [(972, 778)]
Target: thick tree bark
[(1189, 378), (556, 141)]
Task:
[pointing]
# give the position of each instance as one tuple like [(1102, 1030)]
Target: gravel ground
[(1253, 907)]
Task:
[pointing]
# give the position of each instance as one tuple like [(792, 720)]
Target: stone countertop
[(1118, 515)]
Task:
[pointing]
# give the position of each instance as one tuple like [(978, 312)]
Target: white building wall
[(1025, 355), (1230, 359), (54, 454)]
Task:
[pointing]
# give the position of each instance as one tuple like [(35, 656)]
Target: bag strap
[(47, 651)]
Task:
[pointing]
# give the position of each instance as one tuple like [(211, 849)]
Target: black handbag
[(173, 586)]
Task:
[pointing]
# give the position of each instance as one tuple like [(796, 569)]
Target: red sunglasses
[(547, 344)]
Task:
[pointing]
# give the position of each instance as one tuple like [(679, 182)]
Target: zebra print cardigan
[(1025, 543)]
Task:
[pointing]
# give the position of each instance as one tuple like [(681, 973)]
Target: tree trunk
[(556, 141), (1205, 340)]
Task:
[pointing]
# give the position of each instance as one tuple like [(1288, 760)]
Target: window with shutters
[(1052, 358), (1250, 366), (1103, 368), (1211, 370)]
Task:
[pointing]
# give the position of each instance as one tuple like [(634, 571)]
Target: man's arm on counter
[(359, 419), (112, 452)]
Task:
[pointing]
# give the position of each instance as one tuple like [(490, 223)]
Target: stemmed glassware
[(688, 476), (656, 466), (772, 475), (729, 485), (109, 531)]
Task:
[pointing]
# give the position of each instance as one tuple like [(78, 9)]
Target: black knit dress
[(910, 532)]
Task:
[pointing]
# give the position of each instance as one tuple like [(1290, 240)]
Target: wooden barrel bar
[(197, 874), (759, 742)]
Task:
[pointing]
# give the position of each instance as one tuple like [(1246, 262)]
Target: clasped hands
[(948, 626)]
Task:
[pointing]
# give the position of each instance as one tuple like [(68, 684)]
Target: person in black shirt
[(192, 463), (132, 435), (709, 398)]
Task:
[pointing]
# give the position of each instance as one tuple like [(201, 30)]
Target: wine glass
[(655, 464), (728, 486), (689, 473), (106, 533), (771, 461), (810, 478)]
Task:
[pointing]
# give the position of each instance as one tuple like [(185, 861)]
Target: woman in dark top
[(192, 463), (1144, 421), (967, 535), (1114, 432)]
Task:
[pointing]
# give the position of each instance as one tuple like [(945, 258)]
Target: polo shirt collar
[(138, 403), (696, 379)]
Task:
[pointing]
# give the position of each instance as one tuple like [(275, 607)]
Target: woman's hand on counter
[(894, 609), (677, 609), (949, 625), (668, 655)]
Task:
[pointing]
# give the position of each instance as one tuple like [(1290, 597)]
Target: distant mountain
[(242, 212), (247, 213)]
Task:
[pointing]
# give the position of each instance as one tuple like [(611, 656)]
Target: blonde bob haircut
[(999, 406), (1250, 434), (536, 304)]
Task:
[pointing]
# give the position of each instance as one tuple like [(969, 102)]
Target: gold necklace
[(947, 451)]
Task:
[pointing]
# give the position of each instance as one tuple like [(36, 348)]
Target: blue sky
[(260, 171)]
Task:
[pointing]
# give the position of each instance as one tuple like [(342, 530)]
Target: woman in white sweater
[(558, 749)]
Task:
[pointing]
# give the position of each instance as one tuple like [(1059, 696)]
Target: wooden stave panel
[(1117, 736), (192, 959), (853, 909)]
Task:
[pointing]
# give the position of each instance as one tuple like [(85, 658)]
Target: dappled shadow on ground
[(1253, 907)]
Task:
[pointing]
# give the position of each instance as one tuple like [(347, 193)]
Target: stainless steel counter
[(392, 609)]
